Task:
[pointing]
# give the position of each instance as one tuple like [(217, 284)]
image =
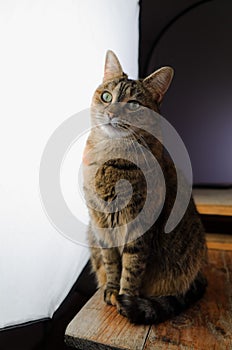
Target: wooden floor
[(207, 325)]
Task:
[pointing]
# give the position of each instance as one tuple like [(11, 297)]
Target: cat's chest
[(113, 177)]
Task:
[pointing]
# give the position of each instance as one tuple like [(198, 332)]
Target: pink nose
[(111, 115)]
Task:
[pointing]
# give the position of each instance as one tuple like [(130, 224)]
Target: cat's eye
[(106, 97), (133, 105)]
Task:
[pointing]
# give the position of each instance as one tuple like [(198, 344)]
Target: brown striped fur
[(156, 275)]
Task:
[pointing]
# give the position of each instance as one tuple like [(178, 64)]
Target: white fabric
[(51, 60)]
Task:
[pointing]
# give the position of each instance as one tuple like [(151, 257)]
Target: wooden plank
[(99, 326), (208, 209), (219, 245), (213, 201), (219, 241), (206, 325)]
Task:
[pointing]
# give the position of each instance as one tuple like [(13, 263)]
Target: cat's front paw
[(110, 296)]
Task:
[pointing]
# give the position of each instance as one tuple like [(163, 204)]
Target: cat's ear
[(159, 81), (113, 67)]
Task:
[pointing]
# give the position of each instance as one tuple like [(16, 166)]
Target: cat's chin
[(114, 131)]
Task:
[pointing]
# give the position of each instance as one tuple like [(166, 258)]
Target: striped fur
[(157, 275)]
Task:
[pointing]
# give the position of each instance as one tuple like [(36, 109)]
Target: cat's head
[(118, 100)]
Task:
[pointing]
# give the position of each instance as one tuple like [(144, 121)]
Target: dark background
[(195, 38)]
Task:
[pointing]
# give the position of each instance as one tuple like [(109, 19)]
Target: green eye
[(106, 97), (133, 105)]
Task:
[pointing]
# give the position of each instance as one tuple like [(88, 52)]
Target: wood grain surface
[(219, 241), (206, 325), (213, 201)]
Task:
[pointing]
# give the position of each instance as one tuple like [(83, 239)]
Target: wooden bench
[(206, 325)]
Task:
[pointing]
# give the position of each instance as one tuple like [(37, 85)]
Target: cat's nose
[(114, 110), (111, 115)]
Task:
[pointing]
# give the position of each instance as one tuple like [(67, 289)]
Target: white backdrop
[(51, 60)]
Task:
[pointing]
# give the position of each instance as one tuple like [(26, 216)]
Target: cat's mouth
[(115, 127), (115, 123)]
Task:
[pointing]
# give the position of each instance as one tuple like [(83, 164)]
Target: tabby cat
[(153, 275)]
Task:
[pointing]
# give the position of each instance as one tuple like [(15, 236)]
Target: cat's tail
[(153, 310)]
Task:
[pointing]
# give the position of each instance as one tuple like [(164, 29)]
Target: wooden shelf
[(213, 201), (206, 325), (219, 241)]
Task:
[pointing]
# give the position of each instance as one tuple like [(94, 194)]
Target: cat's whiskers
[(135, 150), (131, 140), (137, 137), (142, 150), (101, 118), (115, 127)]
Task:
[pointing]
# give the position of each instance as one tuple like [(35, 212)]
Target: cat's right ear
[(113, 67), (159, 81)]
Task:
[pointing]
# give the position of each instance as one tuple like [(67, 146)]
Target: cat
[(153, 276)]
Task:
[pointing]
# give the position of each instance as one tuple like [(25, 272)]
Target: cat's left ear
[(113, 67), (159, 81)]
